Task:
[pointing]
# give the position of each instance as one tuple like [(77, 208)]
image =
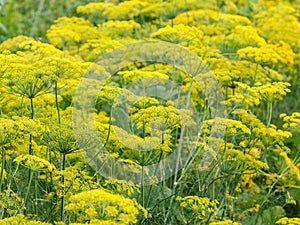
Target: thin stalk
[(282, 174), (270, 111), (36, 197), (142, 187), (62, 155), (51, 175), (109, 130), (156, 168), (56, 102), (8, 190), (255, 74), (27, 191), (179, 154), (30, 152), (2, 168), (62, 181), (32, 117)]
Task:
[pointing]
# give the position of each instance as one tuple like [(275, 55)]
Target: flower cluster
[(101, 206), (34, 163), (20, 219), (197, 206), (288, 221)]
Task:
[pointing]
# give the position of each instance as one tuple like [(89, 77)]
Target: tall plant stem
[(30, 152), (177, 163), (32, 117), (2, 168), (269, 112), (62, 155), (56, 102), (142, 187), (27, 191), (62, 181)]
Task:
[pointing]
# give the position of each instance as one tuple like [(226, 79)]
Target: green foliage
[(32, 17)]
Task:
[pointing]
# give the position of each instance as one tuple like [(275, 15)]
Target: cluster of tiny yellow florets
[(291, 121), (288, 221), (102, 206), (198, 206), (20, 219), (225, 222)]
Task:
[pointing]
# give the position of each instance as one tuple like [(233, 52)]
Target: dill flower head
[(21, 219), (102, 206), (288, 221), (35, 163), (196, 206)]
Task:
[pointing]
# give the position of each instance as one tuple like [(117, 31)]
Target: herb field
[(155, 112)]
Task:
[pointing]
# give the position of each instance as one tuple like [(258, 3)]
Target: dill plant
[(251, 47)]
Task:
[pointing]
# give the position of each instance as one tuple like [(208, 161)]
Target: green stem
[(270, 111), (2, 168), (36, 197), (178, 158), (255, 75), (9, 183), (32, 117), (62, 181), (109, 129), (32, 108), (151, 186), (56, 102), (62, 156), (267, 196), (27, 191), (30, 152), (142, 188)]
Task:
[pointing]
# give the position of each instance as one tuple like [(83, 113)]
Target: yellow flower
[(179, 34), (127, 10), (288, 221), (198, 206), (245, 36), (290, 199), (71, 32), (21, 219), (278, 54), (274, 91), (117, 29), (96, 11), (94, 48), (35, 163), (291, 121), (279, 22), (100, 205), (225, 222)]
